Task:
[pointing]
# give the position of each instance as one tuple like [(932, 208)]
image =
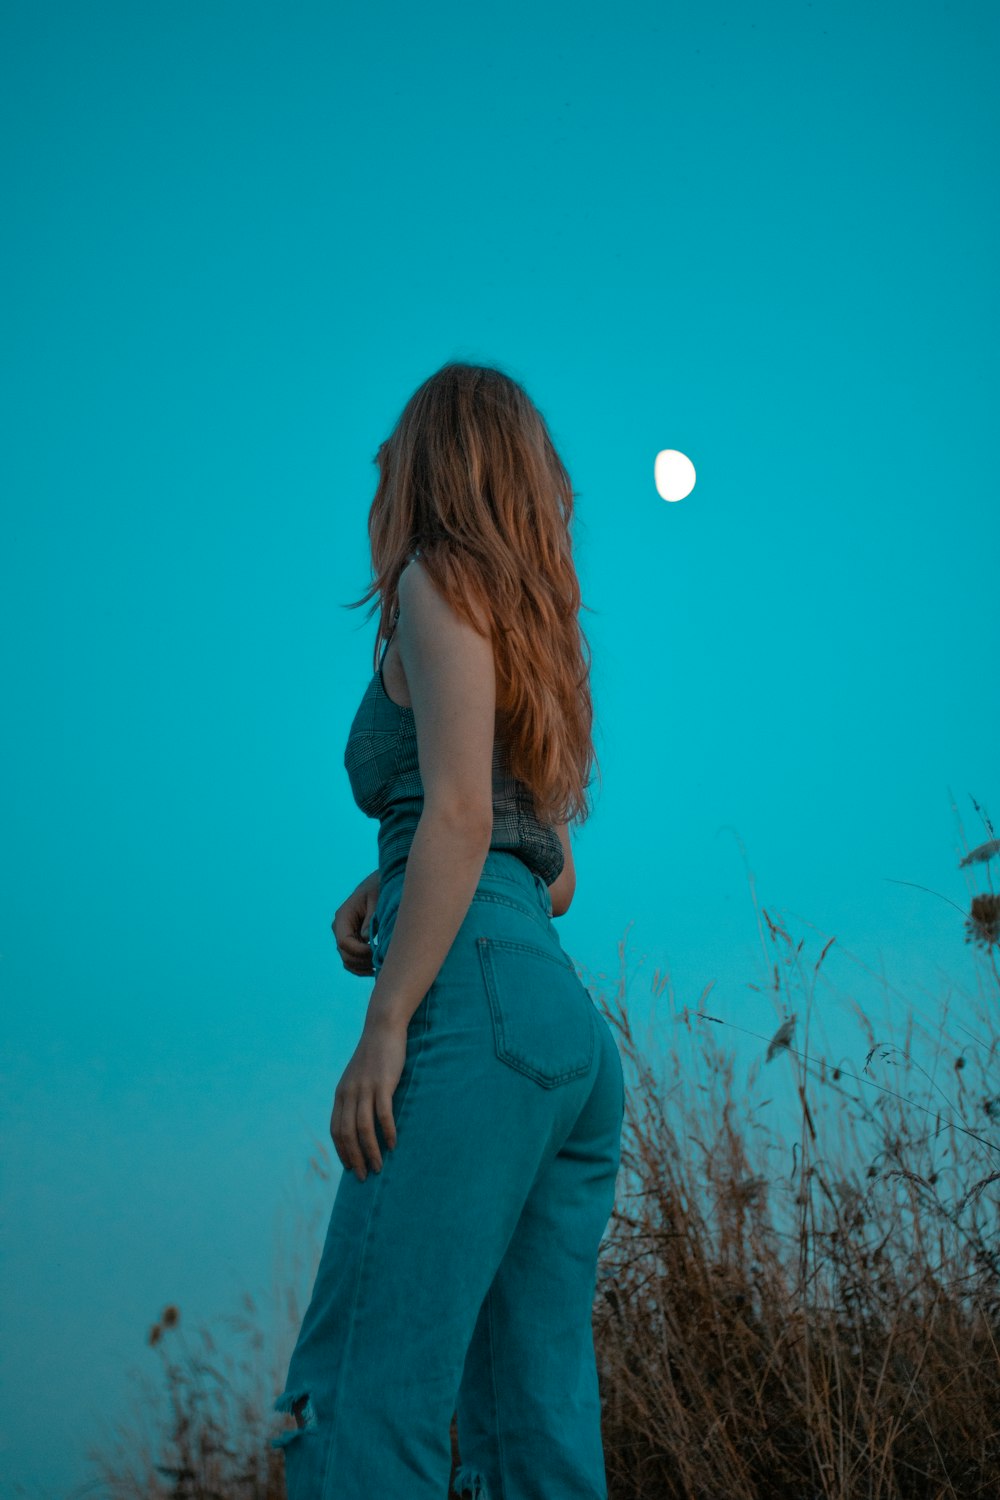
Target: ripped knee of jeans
[(469, 1482), (299, 1403)]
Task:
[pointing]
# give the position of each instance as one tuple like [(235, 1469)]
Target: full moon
[(673, 474)]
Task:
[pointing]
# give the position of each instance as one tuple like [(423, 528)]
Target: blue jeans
[(460, 1279)]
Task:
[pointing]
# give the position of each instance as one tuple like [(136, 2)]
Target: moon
[(673, 474)]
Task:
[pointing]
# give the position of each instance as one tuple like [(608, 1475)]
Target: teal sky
[(237, 237)]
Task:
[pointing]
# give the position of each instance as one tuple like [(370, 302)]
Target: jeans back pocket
[(543, 1017)]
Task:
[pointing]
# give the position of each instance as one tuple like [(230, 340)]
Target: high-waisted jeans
[(460, 1279)]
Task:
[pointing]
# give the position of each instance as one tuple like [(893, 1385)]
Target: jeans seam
[(335, 1399), (540, 886), (502, 1048), (496, 1399), (355, 1300), (501, 900), (537, 914)]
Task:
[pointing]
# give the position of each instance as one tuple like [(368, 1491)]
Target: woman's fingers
[(353, 946), (352, 927), (366, 1132), (353, 1130), (366, 1087), (344, 1130), (350, 932), (383, 1108), (357, 960)]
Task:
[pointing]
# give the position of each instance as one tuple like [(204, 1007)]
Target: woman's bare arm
[(451, 676)]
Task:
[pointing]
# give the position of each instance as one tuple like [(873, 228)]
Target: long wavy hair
[(471, 478)]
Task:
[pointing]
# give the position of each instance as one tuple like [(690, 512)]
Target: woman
[(479, 1118)]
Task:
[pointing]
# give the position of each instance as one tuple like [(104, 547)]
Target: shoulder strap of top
[(395, 618), (385, 644), (392, 632)]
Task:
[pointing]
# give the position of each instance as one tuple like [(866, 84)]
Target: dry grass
[(816, 1317)]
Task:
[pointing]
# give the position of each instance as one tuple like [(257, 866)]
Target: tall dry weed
[(813, 1316)]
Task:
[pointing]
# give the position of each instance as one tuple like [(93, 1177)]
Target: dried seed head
[(983, 922)]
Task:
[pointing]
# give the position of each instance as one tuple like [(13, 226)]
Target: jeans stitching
[(536, 911), (538, 914), (501, 1467), (502, 1048), (529, 911), (331, 1434), (356, 1298), (498, 942)]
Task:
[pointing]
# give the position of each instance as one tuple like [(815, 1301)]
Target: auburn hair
[(470, 476)]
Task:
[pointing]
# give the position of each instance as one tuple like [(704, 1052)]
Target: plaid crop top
[(381, 763)]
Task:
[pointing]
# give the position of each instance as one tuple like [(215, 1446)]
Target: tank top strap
[(395, 618), (388, 639), (414, 554)]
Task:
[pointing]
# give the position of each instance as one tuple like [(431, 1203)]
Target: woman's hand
[(351, 926), (364, 1091)]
